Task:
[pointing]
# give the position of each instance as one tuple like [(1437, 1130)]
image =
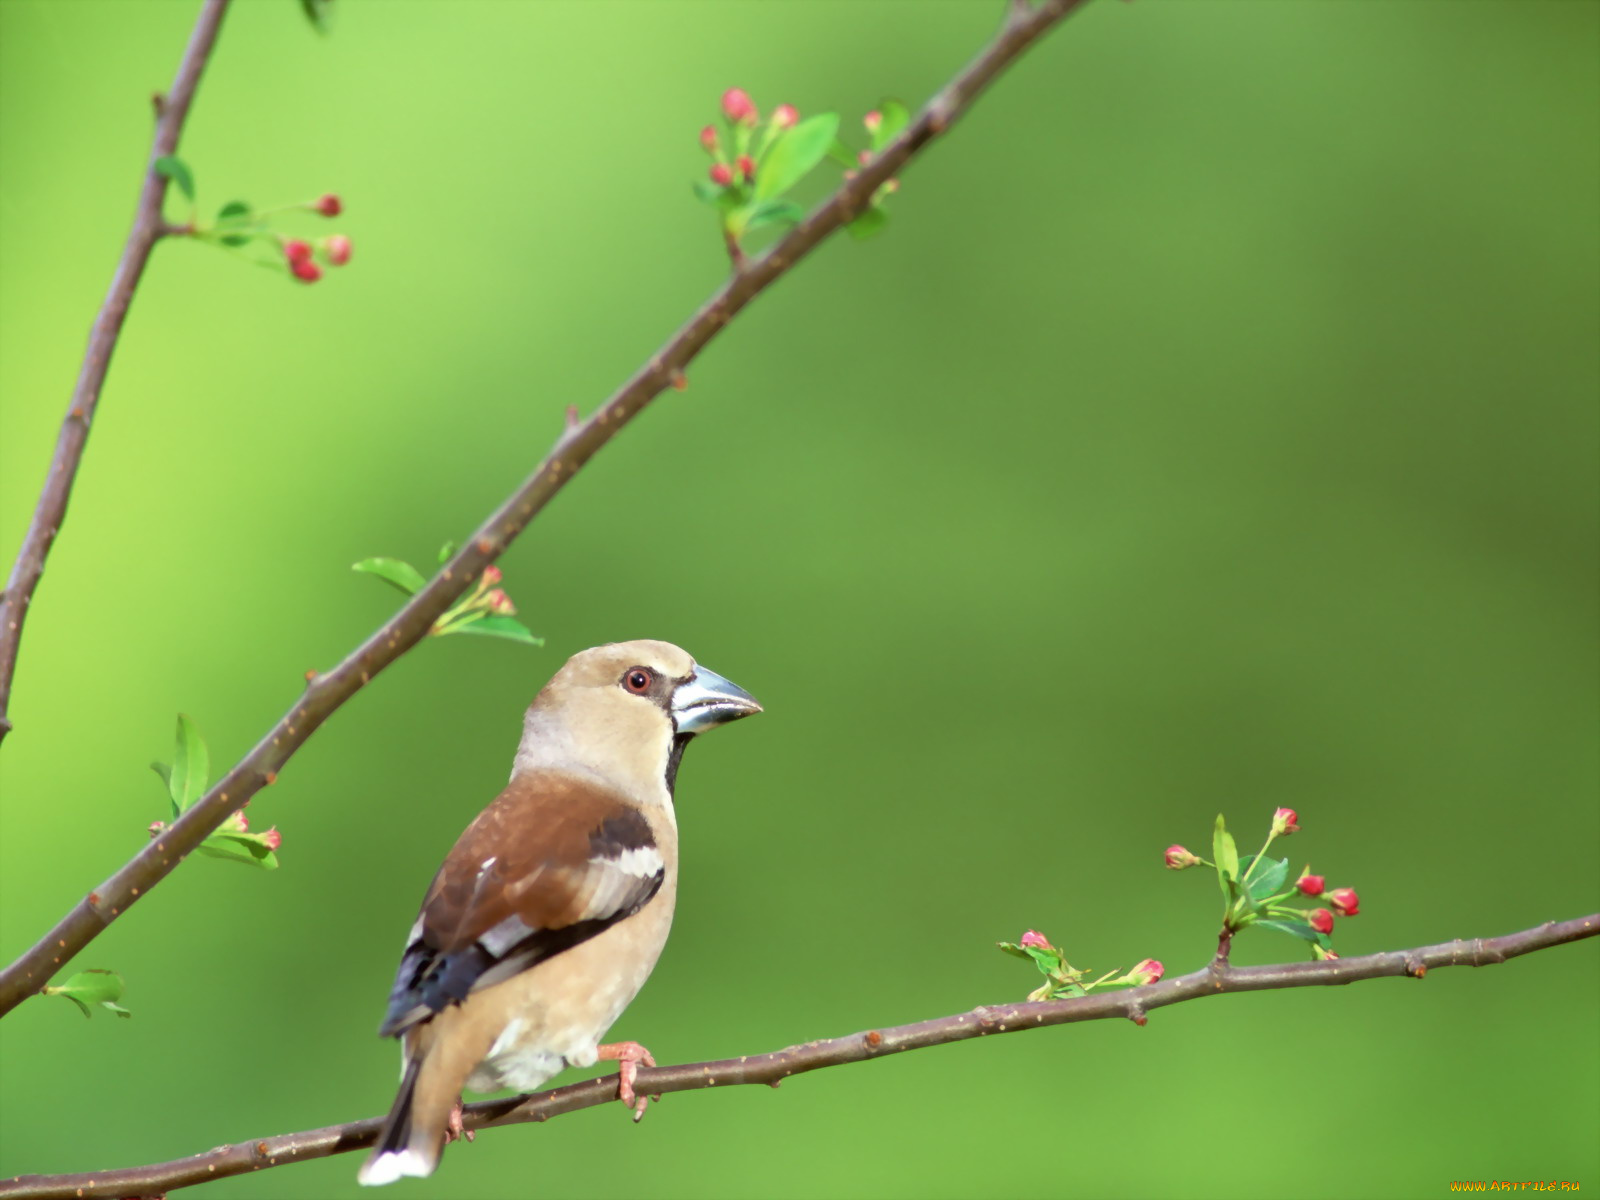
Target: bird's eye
[(638, 680)]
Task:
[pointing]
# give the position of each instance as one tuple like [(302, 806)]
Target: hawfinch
[(549, 913)]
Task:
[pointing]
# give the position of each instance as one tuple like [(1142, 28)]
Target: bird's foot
[(628, 1056), (454, 1130)]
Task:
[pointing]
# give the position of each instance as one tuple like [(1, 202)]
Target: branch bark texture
[(1134, 1004), (172, 110), (326, 693)]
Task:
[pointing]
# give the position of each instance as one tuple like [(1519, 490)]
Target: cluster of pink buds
[(302, 255), (735, 160), (1063, 980), (873, 123), (1258, 888), (237, 824), (487, 599)]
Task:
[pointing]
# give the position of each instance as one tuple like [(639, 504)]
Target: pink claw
[(454, 1129), (628, 1056)]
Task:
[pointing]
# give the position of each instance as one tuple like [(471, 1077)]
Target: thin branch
[(1134, 1004), (171, 111), (326, 693)]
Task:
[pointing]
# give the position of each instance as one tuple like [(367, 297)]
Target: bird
[(550, 911)]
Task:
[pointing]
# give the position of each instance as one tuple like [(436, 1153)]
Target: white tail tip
[(392, 1165)]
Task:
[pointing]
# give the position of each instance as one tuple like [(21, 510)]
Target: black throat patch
[(674, 757)]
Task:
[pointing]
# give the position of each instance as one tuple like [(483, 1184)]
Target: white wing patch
[(641, 863)]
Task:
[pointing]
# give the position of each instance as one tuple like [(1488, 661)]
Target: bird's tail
[(396, 1155)]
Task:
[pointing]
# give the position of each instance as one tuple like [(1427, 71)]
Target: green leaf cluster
[(1254, 890), (473, 613), (186, 780), (782, 157), (1062, 979)]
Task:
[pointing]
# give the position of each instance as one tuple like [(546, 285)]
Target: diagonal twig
[(325, 693), (1134, 1004), (171, 111)]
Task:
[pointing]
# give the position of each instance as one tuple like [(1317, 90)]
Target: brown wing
[(552, 862)]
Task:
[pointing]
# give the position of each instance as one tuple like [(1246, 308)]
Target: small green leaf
[(872, 221), (1267, 880), (1226, 856), (774, 212), (316, 12), (234, 212), (1298, 929), (1049, 961), (794, 154), (190, 766), (1224, 851), (501, 627), (842, 154), (706, 191), (1013, 949), (94, 986), (391, 570), (445, 551), (239, 847), (175, 169), (895, 118)]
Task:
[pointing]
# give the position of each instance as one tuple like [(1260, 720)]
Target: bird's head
[(625, 710)]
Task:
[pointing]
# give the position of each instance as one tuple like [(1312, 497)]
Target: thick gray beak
[(707, 700)]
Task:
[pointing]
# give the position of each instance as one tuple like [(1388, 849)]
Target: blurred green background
[(1213, 429)]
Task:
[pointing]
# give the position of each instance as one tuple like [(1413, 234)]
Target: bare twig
[(171, 111), (326, 693), (1133, 1003)]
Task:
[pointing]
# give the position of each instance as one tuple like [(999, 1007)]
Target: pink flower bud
[(737, 106), (1311, 885), (872, 121), (338, 247), (307, 271), (1323, 954), (296, 251), (863, 157), (1036, 939), (1322, 920), (491, 575), (156, 827), (236, 823), (708, 140), (500, 603), (1178, 858), (721, 174), (1285, 821), (784, 116), (272, 839), (746, 165), (1147, 971), (1346, 901), (329, 205)]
